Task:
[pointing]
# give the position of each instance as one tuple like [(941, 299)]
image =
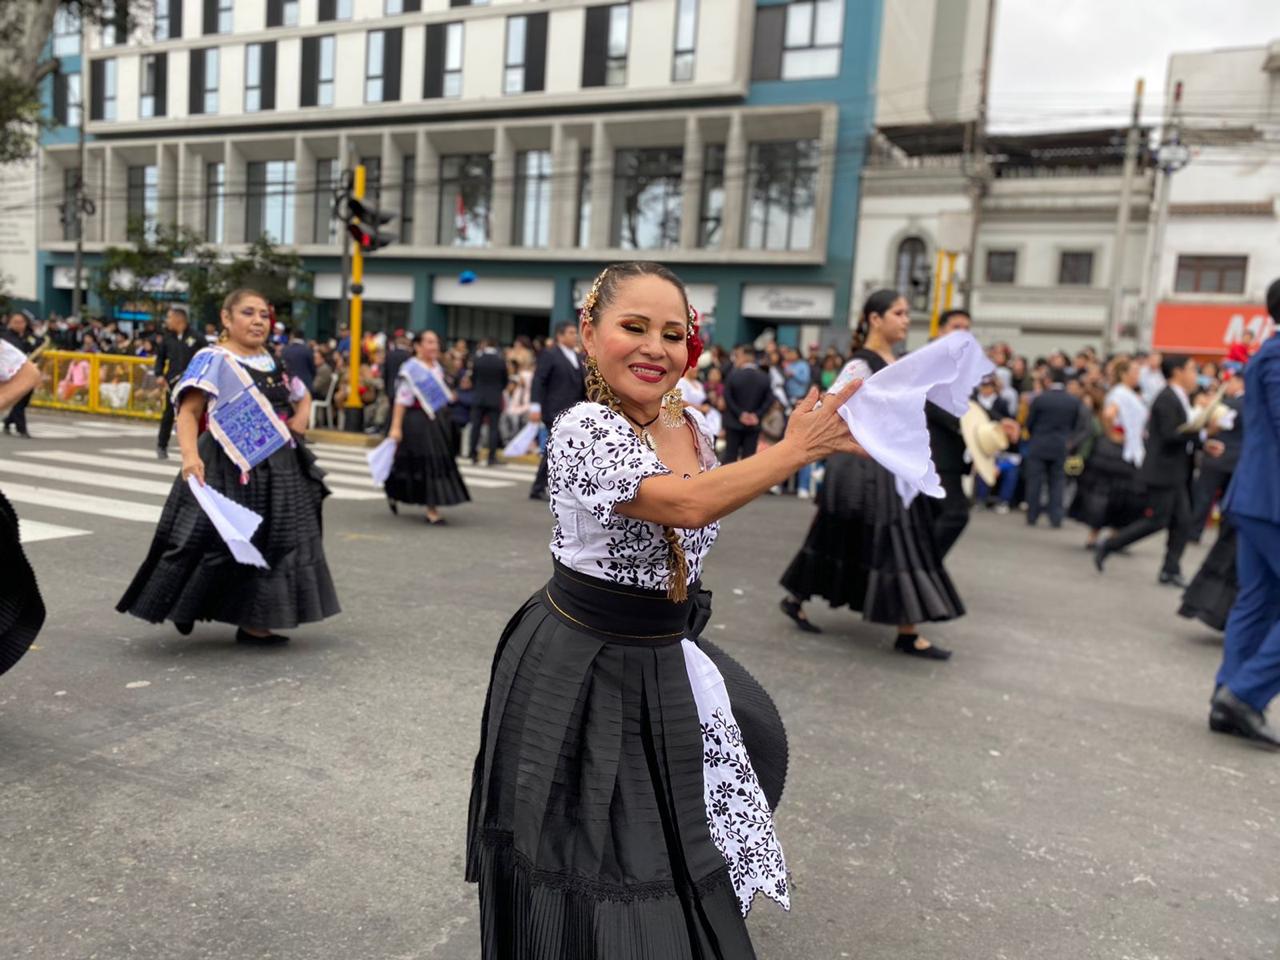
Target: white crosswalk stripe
[(129, 483)]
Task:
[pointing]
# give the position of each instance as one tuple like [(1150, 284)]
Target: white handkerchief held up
[(234, 523), (522, 442), (886, 416), (380, 459)]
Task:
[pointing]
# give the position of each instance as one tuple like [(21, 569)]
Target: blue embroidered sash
[(431, 394), (241, 418)]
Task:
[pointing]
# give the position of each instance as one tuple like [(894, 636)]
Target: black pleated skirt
[(866, 551), (21, 608), (1110, 494), (1211, 593), (588, 830), (189, 574), (425, 470)]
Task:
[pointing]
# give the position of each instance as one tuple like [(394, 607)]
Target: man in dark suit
[(1215, 474), (1166, 471), (489, 383), (397, 354), (1249, 677), (747, 398), (557, 386), (1052, 420), (172, 356), (300, 359)]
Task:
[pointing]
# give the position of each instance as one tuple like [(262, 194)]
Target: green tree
[(275, 273), (151, 269)]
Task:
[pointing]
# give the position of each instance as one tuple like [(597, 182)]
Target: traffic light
[(365, 223)]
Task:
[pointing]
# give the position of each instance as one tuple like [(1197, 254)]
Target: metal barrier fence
[(103, 383)]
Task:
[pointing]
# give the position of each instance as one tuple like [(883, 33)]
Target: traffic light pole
[(355, 318)]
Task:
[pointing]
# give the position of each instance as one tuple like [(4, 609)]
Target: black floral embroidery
[(595, 461)]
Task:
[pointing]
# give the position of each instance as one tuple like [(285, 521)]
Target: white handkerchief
[(522, 441), (380, 459), (234, 523), (886, 416)]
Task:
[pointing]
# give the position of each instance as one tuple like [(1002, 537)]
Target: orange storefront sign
[(1208, 328)]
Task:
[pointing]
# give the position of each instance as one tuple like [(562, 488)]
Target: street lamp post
[(1171, 157)]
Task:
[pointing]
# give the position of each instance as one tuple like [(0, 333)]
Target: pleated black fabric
[(865, 550), (587, 831), (1211, 593), (189, 575), (425, 470), (21, 608), (1110, 493)]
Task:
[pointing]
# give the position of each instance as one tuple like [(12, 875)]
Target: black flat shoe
[(793, 610), (393, 507), (250, 640), (437, 522), (1173, 580), (906, 643), (184, 628), (1100, 556)]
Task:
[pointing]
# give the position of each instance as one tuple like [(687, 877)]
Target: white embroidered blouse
[(11, 360), (595, 461)]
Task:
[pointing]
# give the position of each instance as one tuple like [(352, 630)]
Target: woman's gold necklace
[(651, 443)]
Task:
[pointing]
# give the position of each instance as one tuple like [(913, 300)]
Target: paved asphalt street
[(1050, 793)]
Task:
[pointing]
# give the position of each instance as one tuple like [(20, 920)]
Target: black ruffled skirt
[(1110, 494), (1211, 593), (189, 574), (868, 552), (588, 830), (425, 470), (21, 609)]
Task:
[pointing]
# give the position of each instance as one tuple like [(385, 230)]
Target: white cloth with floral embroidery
[(11, 360)]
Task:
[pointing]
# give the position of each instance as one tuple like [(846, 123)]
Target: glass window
[(215, 191), (211, 80), (375, 48), (290, 11), (584, 199), (147, 100), (225, 16), (253, 78), (911, 273), (343, 9), (466, 185), (453, 60), (162, 18), (711, 216), (782, 184), (269, 201), (813, 38), (325, 228), (646, 198), (372, 180), (66, 33), (109, 38), (1201, 274), (324, 80), (615, 68), (1002, 266), (533, 198), (109, 90), (686, 39), (74, 103), (143, 199), (1076, 268), (70, 203), (408, 187), (394, 7), (513, 76)]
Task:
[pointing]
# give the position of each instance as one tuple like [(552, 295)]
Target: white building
[(1222, 245)]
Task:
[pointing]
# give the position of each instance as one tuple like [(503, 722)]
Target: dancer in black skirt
[(189, 573), (1111, 494), (425, 470), (21, 609), (621, 807), (865, 549)]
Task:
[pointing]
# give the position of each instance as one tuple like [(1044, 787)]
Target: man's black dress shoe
[(1100, 556), (1242, 719), (1172, 580)]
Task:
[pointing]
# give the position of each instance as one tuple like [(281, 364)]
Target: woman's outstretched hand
[(818, 431)]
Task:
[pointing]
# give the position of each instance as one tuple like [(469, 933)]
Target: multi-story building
[(1221, 247), (522, 143)]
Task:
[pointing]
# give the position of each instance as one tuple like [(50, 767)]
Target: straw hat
[(984, 438)]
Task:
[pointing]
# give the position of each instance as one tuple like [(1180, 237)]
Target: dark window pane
[(1001, 266), (646, 198), (1076, 269)]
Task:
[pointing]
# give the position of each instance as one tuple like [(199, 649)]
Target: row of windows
[(781, 189), (1194, 273), (1075, 267)]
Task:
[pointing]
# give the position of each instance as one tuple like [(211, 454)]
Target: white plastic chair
[(326, 405)]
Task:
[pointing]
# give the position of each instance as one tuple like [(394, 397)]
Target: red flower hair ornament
[(694, 340)]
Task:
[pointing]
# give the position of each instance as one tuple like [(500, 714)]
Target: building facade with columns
[(520, 145)]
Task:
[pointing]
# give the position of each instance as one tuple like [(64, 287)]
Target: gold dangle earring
[(673, 409)]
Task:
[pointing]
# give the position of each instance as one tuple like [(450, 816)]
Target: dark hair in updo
[(879, 302)]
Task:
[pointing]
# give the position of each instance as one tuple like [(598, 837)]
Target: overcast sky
[(1071, 63)]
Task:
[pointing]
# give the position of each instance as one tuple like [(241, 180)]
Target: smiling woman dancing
[(621, 806), (189, 574)]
